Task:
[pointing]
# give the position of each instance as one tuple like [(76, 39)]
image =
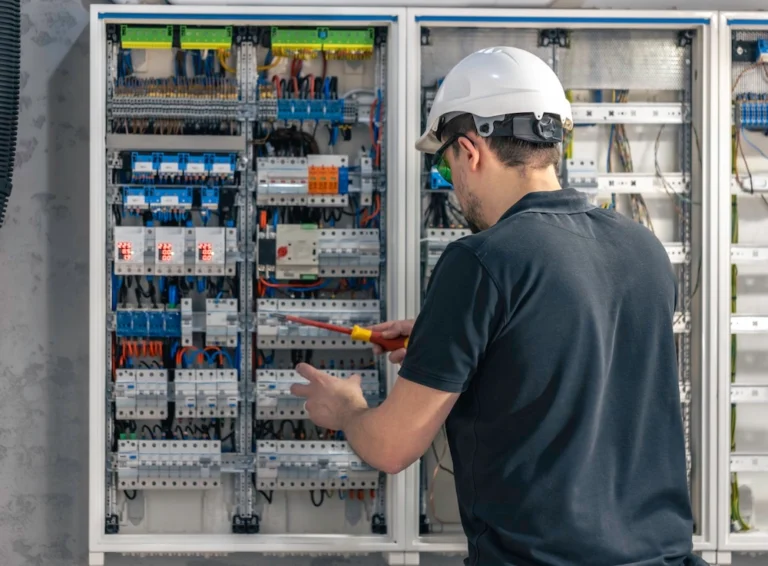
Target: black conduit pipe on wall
[(10, 64)]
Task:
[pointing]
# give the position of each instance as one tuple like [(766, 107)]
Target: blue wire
[(211, 355), (752, 145), (275, 218)]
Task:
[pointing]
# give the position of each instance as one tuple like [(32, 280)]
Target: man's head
[(495, 130)]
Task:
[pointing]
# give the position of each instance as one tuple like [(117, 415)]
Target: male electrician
[(546, 341)]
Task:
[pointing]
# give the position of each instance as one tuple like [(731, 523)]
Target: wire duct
[(10, 62)]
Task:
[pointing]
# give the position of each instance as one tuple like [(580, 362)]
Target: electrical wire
[(312, 497)]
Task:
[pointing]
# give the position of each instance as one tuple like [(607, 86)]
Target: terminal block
[(221, 322), (279, 334), (205, 38), (273, 392), (168, 464), (206, 393), (436, 181), (141, 394), (148, 323), (752, 111), (436, 242), (308, 465), (334, 43), (270, 107), (183, 168), (146, 37)]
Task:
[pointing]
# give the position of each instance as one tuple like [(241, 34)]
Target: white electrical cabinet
[(245, 162), (643, 106), (742, 244), (254, 161)]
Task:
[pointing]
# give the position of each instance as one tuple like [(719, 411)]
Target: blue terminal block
[(209, 198), (343, 180), (135, 197), (124, 323), (170, 198), (762, 51), (172, 324), (144, 163), (753, 111), (169, 163), (194, 164), (156, 326), (331, 110), (436, 181), (148, 323), (221, 164)]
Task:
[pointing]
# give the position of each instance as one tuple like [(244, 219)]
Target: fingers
[(382, 326), (397, 356), (301, 390), (377, 350), (310, 373), (356, 379)]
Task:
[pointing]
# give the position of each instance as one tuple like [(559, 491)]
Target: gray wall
[(44, 311)]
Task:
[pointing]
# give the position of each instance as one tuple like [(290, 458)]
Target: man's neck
[(514, 185)]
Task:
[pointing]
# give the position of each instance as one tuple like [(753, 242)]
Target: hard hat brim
[(428, 142)]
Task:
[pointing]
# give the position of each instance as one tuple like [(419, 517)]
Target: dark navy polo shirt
[(555, 325)]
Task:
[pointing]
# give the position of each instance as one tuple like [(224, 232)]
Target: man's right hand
[(393, 329)]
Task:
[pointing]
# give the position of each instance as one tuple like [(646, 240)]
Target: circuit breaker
[(246, 168)]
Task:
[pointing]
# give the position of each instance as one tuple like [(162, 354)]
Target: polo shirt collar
[(564, 201)]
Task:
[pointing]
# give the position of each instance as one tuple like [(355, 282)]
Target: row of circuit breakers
[(283, 465), (144, 394)]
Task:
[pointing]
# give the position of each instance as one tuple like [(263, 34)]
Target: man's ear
[(473, 153)]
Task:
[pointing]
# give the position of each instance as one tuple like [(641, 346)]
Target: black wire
[(149, 430), (312, 497), (293, 428), (145, 364), (128, 496), (264, 493)]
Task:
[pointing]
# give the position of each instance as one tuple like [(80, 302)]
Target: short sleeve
[(462, 312)]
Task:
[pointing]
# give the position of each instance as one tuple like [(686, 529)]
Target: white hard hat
[(493, 83)]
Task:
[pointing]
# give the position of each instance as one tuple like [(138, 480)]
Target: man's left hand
[(330, 401)]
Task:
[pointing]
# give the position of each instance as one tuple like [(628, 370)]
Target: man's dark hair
[(510, 151)]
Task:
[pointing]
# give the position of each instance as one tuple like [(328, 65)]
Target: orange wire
[(180, 353), (296, 86), (311, 79)]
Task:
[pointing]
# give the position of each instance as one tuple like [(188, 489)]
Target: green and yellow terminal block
[(335, 43), (162, 37)]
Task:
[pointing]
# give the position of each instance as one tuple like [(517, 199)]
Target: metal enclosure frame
[(706, 24), (756, 541), (99, 543)]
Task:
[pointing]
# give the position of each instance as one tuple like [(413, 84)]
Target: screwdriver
[(356, 332)]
